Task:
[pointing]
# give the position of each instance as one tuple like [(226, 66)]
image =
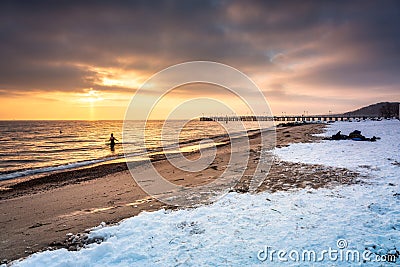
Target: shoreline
[(37, 215), (15, 187), (105, 167)]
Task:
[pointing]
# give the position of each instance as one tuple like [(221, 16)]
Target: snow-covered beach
[(251, 229)]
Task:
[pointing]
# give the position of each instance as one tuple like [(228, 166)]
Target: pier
[(292, 118)]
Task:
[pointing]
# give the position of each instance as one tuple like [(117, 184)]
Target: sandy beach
[(38, 214)]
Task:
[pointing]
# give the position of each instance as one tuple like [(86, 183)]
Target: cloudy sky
[(85, 60)]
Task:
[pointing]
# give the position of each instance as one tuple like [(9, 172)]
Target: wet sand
[(38, 214)]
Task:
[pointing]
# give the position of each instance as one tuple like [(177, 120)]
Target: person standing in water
[(112, 141)]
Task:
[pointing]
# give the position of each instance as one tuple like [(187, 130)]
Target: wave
[(20, 161), (52, 151), (71, 141), (28, 172)]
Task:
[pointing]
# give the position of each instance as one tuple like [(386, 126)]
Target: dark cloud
[(20, 75), (51, 45)]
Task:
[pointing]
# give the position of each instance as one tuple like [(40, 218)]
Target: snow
[(351, 154), (238, 228)]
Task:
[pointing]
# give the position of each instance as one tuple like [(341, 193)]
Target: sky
[(87, 59)]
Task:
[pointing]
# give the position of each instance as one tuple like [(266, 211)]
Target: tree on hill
[(388, 111)]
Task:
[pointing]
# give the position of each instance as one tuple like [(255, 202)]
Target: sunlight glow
[(91, 96), (125, 80)]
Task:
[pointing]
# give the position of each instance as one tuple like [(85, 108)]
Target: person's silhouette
[(112, 141)]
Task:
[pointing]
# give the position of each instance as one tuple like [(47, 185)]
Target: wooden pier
[(292, 118)]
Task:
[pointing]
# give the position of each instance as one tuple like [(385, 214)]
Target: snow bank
[(355, 155), (240, 228)]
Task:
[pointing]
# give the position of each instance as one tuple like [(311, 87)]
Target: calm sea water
[(33, 147)]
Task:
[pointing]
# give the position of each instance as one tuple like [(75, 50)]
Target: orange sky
[(91, 104)]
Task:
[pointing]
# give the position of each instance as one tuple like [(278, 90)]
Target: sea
[(41, 147)]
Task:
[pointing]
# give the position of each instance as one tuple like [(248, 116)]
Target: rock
[(72, 248)]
